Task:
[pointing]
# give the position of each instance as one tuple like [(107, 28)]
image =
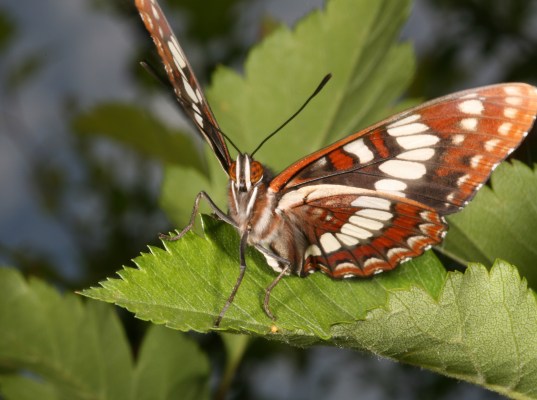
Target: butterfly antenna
[(226, 137), (151, 70), (315, 93)]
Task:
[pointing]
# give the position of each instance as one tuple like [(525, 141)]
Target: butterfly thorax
[(253, 207)]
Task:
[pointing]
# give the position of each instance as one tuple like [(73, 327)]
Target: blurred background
[(75, 207)]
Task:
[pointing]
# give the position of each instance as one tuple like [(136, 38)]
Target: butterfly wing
[(358, 232), (438, 154), (185, 85), (377, 198)]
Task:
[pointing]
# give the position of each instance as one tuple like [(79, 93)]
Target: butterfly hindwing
[(358, 232)]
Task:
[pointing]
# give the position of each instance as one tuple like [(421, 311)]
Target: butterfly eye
[(256, 172), (232, 173)]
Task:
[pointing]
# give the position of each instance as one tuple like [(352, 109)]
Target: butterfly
[(368, 202)]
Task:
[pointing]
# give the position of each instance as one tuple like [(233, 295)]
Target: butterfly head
[(247, 183), (245, 173)]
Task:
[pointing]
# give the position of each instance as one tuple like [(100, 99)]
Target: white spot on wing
[(428, 215), (312, 250), (390, 184), (457, 139), (405, 121), (375, 214), (417, 141), (355, 231), (410, 129), (371, 202), (147, 20), (491, 144), (373, 260), (512, 90), (414, 241), (462, 180), (345, 265), (425, 228), (360, 150), (505, 128), (189, 90), (417, 155), (369, 224), (198, 95), (197, 115), (320, 163), (403, 169), (469, 124), (510, 112), (396, 252), (476, 160), (177, 54), (378, 271), (474, 107), (514, 101), (329, 242), (155, 12), (347, 240)]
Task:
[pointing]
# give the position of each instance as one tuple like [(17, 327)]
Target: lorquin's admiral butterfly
[(369, 201)]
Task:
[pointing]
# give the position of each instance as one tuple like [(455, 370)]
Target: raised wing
[(357, 232), (438, 154), (185, 85)]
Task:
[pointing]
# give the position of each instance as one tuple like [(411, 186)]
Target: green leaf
[(179, 192), (61, 340), (355, 40), (186, 285), (501, 222), (54, 346), (283, 70), (21, 388), (479, 326), (170, 366), (482, 329), (140, 130)]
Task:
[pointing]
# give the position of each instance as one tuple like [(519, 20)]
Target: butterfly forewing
[(439, 153), (182, 78)]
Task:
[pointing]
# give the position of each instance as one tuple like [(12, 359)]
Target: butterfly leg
[(283, 272), (242, 252), (219, 213), (268, 291)]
